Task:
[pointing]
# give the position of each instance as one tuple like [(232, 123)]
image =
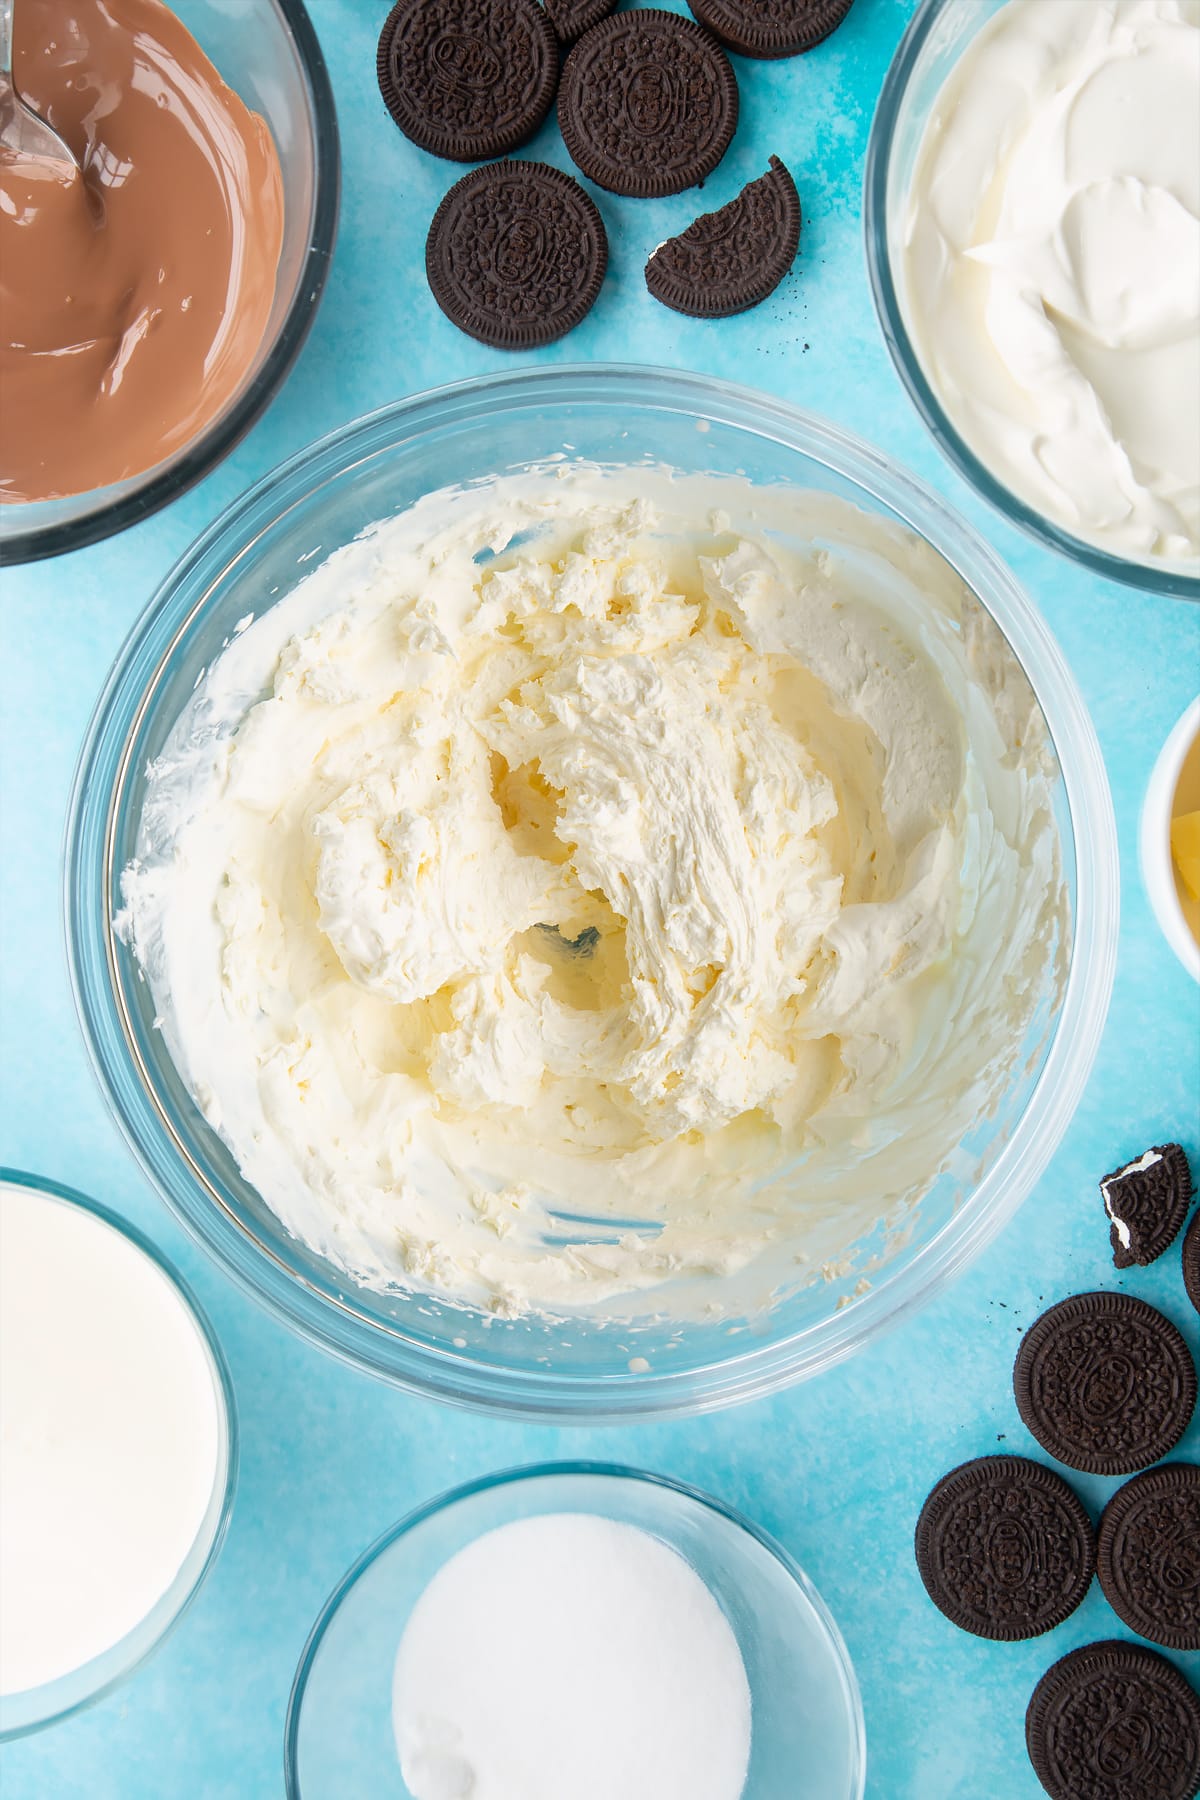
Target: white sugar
[(570, 1655)]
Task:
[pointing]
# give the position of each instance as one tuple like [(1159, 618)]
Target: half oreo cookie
[(467, 79), (1105, 1383), (1004, 1547), (647, 103), (516, 254), (728, 261), (1115, 1721), (1149, 1555), (771, 28), (1147, 1202)]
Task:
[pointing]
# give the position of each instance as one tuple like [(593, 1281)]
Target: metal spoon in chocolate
[(23, 134)]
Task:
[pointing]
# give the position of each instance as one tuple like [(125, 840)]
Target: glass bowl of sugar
[(581, 1629)]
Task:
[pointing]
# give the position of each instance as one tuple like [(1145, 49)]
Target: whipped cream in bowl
[(1032, 214), (576, 900)]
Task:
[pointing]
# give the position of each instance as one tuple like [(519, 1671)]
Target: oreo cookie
[(771, 28), (647, 103), (571, 18), (467, 79), (1149, 1555), (728, 261), (516, 254), (1115, 1721), (1105, 1383), (1147, 1202), (1004, 1548), (1191, 1261)]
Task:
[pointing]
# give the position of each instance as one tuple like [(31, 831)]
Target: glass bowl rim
[(66, 1707), (330, 1321), (217, 440), (569, 1470), (890, 317)]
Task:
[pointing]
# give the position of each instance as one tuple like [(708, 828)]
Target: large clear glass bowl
[(32, 1708), (806, 1709), (268, 53), (261, 547), (939, 32)]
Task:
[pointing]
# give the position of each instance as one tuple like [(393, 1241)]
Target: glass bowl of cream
[(120, 1451), (1032, 219), (591, 893), (582, 1629), (216, 129)]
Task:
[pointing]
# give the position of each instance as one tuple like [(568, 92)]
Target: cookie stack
[(1006, 1549), (647, 106)]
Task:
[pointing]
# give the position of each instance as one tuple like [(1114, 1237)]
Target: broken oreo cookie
[(1005, 1548), (467, 79), (730, 260), (771, 28), (1149, 1555), (1147, 1202), (1115, 1721), (1105, 1383), (647, 103), (516, 254)]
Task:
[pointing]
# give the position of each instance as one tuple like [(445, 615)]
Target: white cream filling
[(606, 893), (1051, 264), (1146, 1161)]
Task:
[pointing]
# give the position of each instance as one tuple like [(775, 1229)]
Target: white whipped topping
[(1051, 264), (607, 893)]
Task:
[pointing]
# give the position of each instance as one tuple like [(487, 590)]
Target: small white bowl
[(1158, 869)]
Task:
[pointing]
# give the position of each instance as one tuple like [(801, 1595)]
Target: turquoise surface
[(836, 1469)]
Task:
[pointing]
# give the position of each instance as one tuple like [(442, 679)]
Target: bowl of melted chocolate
[(153, 299)]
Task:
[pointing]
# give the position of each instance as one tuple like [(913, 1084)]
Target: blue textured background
[(836, 1469)]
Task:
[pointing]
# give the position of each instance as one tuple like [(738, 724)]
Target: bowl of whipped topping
[(1032, 218), (158, 289), (591, 893)]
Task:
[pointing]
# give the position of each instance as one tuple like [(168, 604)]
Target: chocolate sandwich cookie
[(647, 104), (729, 260), (1004, 1547), (1115, 1721), (1147, 1202), (1105, 1383), (467, 79), (771, 28), (1191, 1261), (571, 18), (516, 254), (1149, 1555)]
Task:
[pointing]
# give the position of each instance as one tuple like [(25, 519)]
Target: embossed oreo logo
[(520, 251), (1103, 1384), (1177, 1561), (464, 61), (1010, 1553), (654, 102), (1124, 1746)]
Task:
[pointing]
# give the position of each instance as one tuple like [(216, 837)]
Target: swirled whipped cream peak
[(592, 884), (1050, 265)]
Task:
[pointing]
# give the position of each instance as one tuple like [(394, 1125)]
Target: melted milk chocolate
[(132, 302)]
